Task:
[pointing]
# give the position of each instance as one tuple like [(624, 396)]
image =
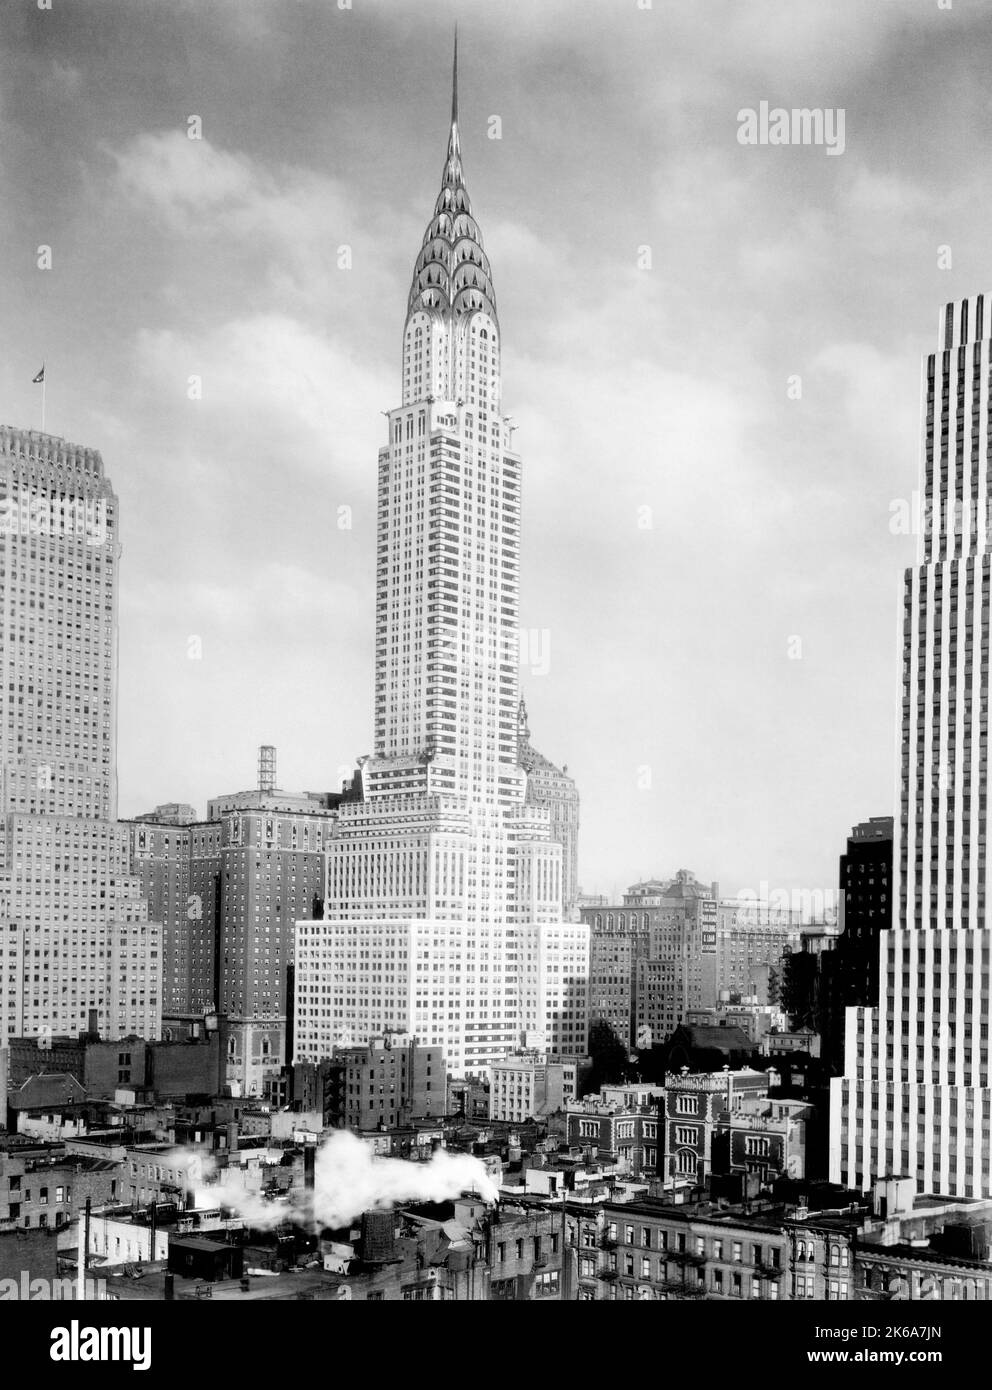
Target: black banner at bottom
[(164, 1339)]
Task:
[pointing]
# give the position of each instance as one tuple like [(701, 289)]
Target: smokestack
[(266, 769), (309, 1159), (92, 1023), (81, 1258)]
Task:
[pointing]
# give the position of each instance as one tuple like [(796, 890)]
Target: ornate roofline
[(452, 275)]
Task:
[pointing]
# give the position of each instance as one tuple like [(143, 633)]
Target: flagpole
[(44, 383)]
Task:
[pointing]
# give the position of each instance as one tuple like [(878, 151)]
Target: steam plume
[(350, 1179)]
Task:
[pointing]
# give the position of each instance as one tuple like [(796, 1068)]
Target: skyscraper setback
[(915, 1098), (74, 929), (444, 891)]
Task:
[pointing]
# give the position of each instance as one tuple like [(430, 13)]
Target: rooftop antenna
[(454, 81)]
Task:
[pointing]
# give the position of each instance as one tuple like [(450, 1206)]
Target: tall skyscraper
[(915, 1099), (74, 929), (444, 890)]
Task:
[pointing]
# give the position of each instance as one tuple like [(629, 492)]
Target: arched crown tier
[(452, 276)]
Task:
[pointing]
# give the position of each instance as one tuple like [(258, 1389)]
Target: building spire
[(452, 276)]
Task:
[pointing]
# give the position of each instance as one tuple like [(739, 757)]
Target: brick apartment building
[(43, 1187), (650, 1249), (388, 1081), (619, 1123)]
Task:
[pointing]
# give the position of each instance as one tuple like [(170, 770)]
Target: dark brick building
[(849, 973), (192, 1065), (44, 1188), (30, 1254), (389, 1081)]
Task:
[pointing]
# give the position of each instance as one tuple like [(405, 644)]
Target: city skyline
[(261, 577), (493, 724)]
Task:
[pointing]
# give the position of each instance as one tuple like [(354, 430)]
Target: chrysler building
[(443, 911)]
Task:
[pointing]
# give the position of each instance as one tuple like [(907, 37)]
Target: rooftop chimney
[(378, 1237)]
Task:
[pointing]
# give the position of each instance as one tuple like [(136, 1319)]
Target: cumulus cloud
[(65, 78), (311, 237), (270, 382), (183, 178)]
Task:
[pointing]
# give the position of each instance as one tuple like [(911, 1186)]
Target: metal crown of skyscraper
[(452, 275)]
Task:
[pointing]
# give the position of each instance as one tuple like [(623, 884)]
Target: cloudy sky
[(722, 682)]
